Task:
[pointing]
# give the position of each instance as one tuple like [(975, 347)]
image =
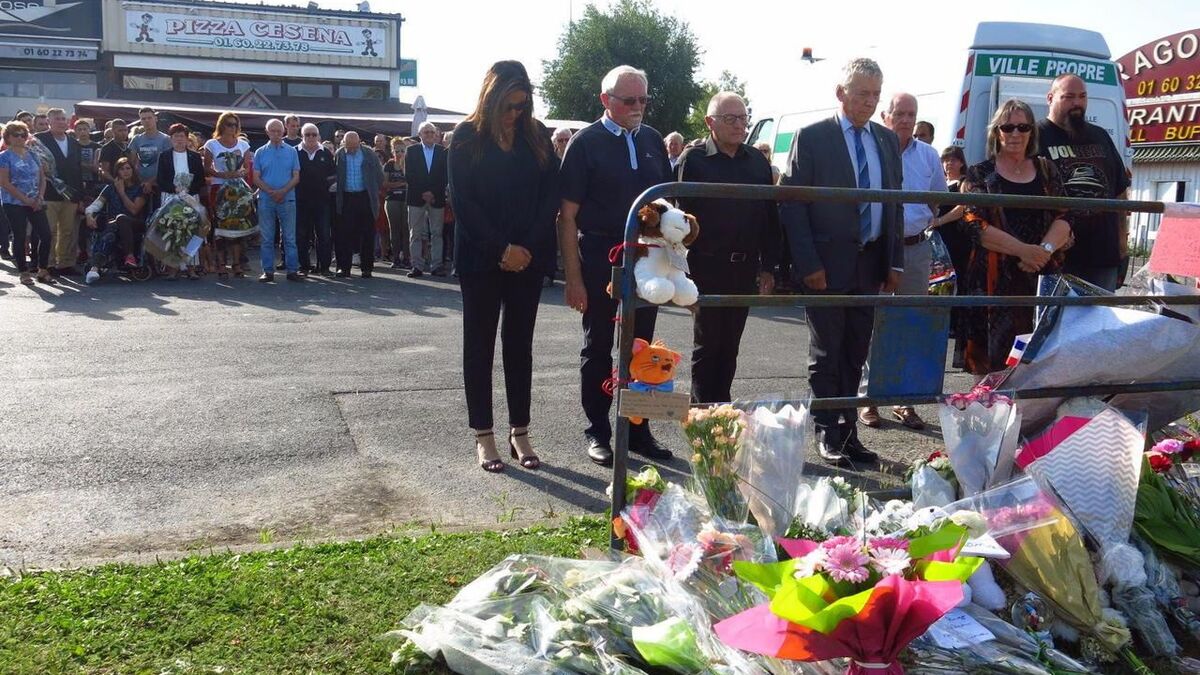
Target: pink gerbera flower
[(834, 542), (889, 542), (847, 562), (889, 561)]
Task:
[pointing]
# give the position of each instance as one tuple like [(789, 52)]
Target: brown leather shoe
[(907, 416), (869, 417)]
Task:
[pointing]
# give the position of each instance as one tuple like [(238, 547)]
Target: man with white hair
[(561, 137), (359, 180), (606, 166), (844, 248), (276, 173), (675, 144), (426, 170)]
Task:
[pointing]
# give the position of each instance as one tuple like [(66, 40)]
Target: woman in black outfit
[(958, 241), (503, 186)]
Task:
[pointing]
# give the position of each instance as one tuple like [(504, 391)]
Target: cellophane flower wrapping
[(234, 209), (714, 437), (864, 598), (172, 226), (942, 275), (981, 430), (50, 169), (771, 462), (572, 616), (642, 491), (1163, 518)]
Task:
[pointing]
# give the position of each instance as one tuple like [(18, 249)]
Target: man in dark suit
[(63, 190), (425, 168), (844, 248)]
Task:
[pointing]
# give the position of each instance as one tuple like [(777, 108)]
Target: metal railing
[(623, 280)]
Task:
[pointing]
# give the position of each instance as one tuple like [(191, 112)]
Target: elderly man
[(291, 123), (1090, 166), (312, 200), (922, 173), (675, 143), (844, 248), (738, 244), (359, 180), (276, 173), (561, 137), (425, 168), (606, 166), (62, 206)]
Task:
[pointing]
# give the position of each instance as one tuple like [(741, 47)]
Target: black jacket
[(421, 180), (69, 168), (166, 173), (316, 175)]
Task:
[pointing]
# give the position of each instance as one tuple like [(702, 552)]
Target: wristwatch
[(1048, 246)]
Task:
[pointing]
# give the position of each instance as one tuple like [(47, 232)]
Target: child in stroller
[(116, 221)]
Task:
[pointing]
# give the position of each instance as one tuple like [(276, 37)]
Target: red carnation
[(1159, 462)]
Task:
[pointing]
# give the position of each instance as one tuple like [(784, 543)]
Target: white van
[(1006, 60)]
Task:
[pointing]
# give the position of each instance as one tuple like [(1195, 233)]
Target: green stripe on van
[(1028, 65), (783, 142)]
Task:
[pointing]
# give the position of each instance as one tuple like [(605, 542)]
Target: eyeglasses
[(731, 119), (19, 134), (517, 107), (630, 100), (309, 134), (1009, 128)]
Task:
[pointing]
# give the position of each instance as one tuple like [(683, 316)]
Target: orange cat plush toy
[(652, 368)]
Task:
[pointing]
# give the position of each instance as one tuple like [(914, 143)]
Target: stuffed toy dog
[(661, 268)]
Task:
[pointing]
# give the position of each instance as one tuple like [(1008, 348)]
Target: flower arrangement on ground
[(714, 435)]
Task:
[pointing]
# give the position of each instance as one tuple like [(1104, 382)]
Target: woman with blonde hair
[(227, 157), (1011, 245), (504, 190)]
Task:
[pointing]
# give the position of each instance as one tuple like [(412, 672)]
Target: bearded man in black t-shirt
[(1090, 166)]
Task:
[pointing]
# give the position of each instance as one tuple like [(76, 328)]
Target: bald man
[(359, 180), (1090, 166)]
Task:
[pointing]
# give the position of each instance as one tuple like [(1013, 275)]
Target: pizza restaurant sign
[(1162, 90), (147, 28)]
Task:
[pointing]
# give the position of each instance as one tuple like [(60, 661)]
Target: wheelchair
[(101, 238)]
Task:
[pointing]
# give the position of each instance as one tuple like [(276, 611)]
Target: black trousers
[(355, 232), (839, 341), (312, 223), (484, 296), (19, 216), (599, 328), (717, 331)]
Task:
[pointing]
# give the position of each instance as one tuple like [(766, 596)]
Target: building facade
[(1162, 99), (49, 54)]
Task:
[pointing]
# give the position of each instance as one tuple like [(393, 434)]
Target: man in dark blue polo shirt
[(606, 166)]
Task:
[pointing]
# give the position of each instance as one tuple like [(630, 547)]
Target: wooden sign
[(654, 405)]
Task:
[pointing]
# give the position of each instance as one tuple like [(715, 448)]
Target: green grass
[(308, 609)]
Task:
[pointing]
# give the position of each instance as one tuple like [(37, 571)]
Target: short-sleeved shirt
[(597, 174), (293, 142), (114, 206), (22, 173), (394, 172), (1090, 166), (146, 148), (226, 159), (89, 156), (275, 166), (111, 151)]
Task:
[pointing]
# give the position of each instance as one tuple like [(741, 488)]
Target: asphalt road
[(148, 419)]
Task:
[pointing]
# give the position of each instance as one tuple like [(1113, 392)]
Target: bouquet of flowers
[(642, 491), (865, 598), (830, 506), (771, 463), (932, 480), (981, 430), (1162, 515), (942, 275), (714, 434), (172, 229), (235, 203), (50, 168)]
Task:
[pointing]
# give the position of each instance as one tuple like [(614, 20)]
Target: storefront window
[(203, 85), (147, 83), (374, 92), (264, 87), (313, 89), (70, 86)]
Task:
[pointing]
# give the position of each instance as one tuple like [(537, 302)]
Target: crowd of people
[(522, 203)]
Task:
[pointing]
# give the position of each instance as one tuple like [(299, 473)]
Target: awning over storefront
[(1167, 153), (203, 118)]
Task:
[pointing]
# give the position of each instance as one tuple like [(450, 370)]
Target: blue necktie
[(864, 183)]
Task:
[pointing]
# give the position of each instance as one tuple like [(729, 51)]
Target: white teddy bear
[(661, 268)]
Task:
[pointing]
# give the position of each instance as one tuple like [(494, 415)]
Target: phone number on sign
[(267, 45), (49, 53)]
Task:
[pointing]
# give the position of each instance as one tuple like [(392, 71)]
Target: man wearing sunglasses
[(605, 167), (844, 248), (1090, 166)]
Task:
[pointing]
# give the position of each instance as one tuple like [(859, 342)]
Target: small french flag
[(1019, 344)]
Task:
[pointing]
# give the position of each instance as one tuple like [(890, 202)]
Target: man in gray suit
[(359, 179), (844, 248)]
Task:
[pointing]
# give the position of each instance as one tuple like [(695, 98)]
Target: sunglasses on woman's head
[(1009, 128)]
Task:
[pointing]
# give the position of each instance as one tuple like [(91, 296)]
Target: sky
[(921, 46)]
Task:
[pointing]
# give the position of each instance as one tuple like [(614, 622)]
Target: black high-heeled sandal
[(529, 461), (490, 465)]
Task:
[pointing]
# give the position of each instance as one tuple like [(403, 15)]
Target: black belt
[(916, 238), (732, 257), (870, 244)]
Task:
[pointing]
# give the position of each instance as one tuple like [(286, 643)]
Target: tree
[(694, 127), (632, 33)]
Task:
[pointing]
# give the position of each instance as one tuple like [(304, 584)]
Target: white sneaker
[(92, 276)]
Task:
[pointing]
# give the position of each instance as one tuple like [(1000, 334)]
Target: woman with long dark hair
[(503, 187)]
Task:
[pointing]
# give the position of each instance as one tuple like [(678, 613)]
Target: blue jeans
[(268, 211)]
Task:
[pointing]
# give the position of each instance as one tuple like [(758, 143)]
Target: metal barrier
[(630, 301)]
